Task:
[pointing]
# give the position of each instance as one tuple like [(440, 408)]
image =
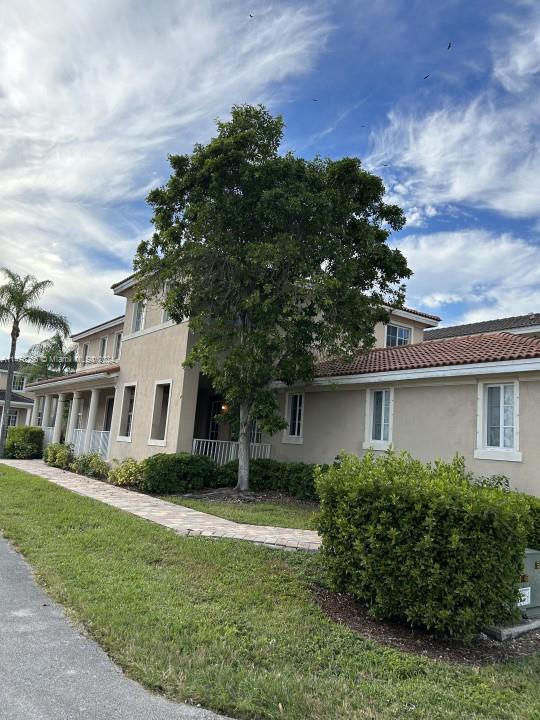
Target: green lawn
[(232, 625), (280, 513)]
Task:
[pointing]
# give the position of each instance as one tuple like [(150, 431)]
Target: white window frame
[(164, 314), (117, 354), (368, 443), (17, 376), (482, 450), (103, 355), (151, 440), (143, 317), (13, 415), (85, 351), (294, 439), (400, 327), (126, 438)]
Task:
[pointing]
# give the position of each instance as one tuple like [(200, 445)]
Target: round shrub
[(177, 473), (24, 442), (418, 542), (126, 473), (92, 465), (59, 455)]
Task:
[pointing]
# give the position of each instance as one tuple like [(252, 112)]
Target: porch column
[(74, 412), (46, 411), (92, 412), (35, 409), (57, 432), (28, 419)]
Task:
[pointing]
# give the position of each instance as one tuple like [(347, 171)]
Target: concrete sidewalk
[(182, 520), (50, 671)]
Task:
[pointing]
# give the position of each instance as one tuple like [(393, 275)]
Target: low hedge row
[(90, 464), (420, 543), (181, 472), (24, 442)]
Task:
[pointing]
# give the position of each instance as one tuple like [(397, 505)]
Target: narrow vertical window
[(126, 419), (138, 316), (158, 428), (84, 354), (296, 415), (117, 345), (102, 348), (380, 426)]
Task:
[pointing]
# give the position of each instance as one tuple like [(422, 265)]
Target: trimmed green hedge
[(296, 479), (420, 543), (533, 540), (177, 473), (24, 442), (92, 465)]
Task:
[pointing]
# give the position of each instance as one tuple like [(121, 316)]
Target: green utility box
[(529, 584)]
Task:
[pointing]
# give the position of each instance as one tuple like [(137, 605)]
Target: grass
[(280, 513), (232, 625)]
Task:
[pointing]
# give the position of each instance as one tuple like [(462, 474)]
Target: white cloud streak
[(93, 96)]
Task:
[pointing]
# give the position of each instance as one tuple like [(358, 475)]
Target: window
[(213, 425), (139, 311), (117, 345), (397, 335), (294, 414), (158, 429), (497, 432), (102, 348), (126, 419), (12, 418), (84, 354), (256, 433), (107, 418), (379, 413), (18, 382)]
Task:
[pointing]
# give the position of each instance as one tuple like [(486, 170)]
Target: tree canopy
[(275, 259), (50, 358)]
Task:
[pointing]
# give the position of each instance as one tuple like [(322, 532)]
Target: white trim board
[(97, 329)]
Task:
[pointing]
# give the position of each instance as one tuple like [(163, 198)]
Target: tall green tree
[(19, 298), (274, 259), (50, 358)]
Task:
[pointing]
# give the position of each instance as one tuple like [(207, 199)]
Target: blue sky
[(94, 95)]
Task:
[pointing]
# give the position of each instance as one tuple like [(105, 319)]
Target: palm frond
[(34, 289), (46, 320)]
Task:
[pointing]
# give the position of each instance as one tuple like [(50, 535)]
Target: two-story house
[(21, 401), (435, 392)]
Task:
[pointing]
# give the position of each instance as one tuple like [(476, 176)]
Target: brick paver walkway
[(182, 520)]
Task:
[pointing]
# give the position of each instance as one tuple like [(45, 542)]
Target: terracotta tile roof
[(16, 398), (121, 282), (100, 369), (490, 347), (419, 312), (509, 323), (19, 364)]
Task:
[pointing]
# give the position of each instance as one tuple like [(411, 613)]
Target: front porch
[(216, 439)]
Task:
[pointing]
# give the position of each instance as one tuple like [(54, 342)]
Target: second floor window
[(397, 335), (102, 348), (85, 353), (138, 316), (117, 345), (18, 382)]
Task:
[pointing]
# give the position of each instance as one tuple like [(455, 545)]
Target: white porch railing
[(223, 451), (47, 436), (99, 442), (78, 441)]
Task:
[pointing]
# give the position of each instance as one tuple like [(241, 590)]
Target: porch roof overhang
[(84, 379)]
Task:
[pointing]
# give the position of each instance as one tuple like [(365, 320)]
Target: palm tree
[(18, 303), (49, 358)]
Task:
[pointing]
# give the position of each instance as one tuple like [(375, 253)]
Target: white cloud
[(490, 275), (482, 152), (94, 95)]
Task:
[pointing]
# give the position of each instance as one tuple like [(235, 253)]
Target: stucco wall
[(148, 358), (93, 342), (429, 421), (417, 328)]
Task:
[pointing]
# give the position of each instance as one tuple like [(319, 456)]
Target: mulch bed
[(483, 651), (231, 495)]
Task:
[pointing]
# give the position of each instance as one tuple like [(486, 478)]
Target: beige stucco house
[(21, 401), (473, 390)]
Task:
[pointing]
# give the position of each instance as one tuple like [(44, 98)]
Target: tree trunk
[(243, 449), (7, 400)]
